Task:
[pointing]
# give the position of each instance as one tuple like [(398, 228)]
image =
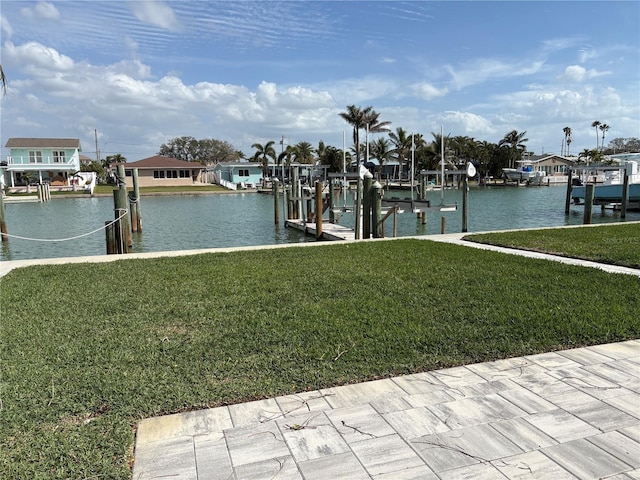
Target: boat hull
[(608, 193)]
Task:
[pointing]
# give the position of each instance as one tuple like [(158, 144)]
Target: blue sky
[(144, 72)]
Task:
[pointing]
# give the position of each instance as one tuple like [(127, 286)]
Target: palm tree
[(285, 158), (596, 124), (515, 142), (567, 138), (401, 141), (264, 153), (359, 118), (603, 128), (380, 150), (303, 152)]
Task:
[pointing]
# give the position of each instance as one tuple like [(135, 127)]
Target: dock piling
[(588, 203)]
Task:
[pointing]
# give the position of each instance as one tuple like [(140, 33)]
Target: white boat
[(610, 190), (524, 172)]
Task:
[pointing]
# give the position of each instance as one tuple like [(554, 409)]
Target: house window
[(158, 174), (172, 174), (35, 156), (243, 172), (184, 174), (58, 156)]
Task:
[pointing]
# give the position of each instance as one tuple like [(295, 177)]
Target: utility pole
[(97, 151)]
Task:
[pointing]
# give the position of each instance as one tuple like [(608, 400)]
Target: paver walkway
[(560, 415)]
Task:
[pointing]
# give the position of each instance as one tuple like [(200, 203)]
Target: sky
[(137, 74)]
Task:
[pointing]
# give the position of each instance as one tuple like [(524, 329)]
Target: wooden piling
[(318, 210), (276, 201), (110, 233), (443, 224), (588, 203), (3, 222), (567, 201), (625, 195), (376, 209), (465, 204), (366, 206), (134, 202)]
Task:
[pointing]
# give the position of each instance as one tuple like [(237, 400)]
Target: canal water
[(69, 227)]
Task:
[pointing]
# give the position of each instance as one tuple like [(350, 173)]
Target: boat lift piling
[(3, 223)]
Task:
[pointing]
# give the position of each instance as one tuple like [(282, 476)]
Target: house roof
[(43, 143), (158, 161), (238, 164)]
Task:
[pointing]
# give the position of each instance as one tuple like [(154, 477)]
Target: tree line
[(387, 146)]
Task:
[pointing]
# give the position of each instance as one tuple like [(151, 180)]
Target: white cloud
[(483, 69), (5, 26), (36, 58), (427, 91), (41, 11), (466, 123), (157, 14), (577, 73)]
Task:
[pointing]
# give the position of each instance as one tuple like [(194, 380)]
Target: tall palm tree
[(380, 150), (360, 118), (303, 152), (567, 138), (401, 142), (515, 142), (603, 128), (285, 158), (596, 124), (264, 153)]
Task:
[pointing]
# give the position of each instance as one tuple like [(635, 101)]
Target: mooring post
[(625, 194), (443, 224), (295, 190), (276, 201), (465, 204), (567, 200), (423, 187), (136, 213), (588, 202), (3, 222), (318, 210), (288, 202), (357, 209), (366, 205), (110, 233), (376, 209)]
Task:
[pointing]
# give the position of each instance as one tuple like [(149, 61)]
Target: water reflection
[(244, 219)]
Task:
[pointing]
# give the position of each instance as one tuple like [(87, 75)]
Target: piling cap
[(376, 185)]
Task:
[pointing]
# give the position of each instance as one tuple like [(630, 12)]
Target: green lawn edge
[(88, 350), (615, 244)]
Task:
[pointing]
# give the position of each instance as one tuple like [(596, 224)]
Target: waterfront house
[(159, 171), (554, 166), (235, 174), (41, 160)]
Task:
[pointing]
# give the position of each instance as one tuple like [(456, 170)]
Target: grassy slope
[(617, 244), (89, 350)]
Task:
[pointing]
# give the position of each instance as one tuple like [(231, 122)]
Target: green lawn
[(204, 188), (87, 350), (617, 244)]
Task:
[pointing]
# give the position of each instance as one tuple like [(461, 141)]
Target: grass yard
[(188, 189), (88, 350), (616, 244)]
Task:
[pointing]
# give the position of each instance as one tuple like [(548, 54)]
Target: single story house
[(552, 165), (235, 173), (163, 171), (41, 160)]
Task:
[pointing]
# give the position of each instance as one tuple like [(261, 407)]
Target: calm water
[(209, 221)]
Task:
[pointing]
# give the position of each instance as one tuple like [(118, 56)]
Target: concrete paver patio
[(560, 415)]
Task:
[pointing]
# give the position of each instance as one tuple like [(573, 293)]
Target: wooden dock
[(330, 231)]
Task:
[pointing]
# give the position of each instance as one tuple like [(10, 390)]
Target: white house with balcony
[(41, 160)]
